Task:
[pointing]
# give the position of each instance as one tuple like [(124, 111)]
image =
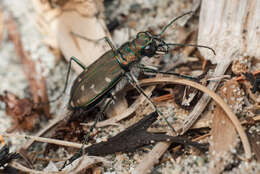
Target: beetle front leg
[(97, 40), (67, 76)]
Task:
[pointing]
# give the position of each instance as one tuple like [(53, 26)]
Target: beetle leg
[(134, 82), (67, 76), (110, 44), (99, 116), (150, 70), (97, 40), (78, 62), (86, 138)]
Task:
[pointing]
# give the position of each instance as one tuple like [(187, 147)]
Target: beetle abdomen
[(95, 81)]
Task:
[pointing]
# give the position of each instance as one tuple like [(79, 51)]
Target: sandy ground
[(13, 79)]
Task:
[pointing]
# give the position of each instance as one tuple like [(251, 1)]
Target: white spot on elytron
[(108, 79), (92, 87), (78, 101), (82, 88)]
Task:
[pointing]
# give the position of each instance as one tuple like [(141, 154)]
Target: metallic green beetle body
[(96, 81), (99, 78)]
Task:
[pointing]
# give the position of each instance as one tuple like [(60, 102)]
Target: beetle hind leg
[(87, 136), (136, 85)]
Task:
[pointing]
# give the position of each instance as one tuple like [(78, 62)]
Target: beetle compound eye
[(149, 50)]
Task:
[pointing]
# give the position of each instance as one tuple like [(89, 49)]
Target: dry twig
[(153, 157)]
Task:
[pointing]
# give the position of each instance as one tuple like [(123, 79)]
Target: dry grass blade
[(48, 128), (151, 159), (44, 140), (206, 124), (83, 164), (27, 170)]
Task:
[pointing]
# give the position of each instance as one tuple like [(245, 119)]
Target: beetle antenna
[(192, 45), (175, 19)]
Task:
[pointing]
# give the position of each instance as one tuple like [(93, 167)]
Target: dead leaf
[(21, 110), (224, 136)]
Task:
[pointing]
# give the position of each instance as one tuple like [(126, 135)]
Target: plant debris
[(6, 157), (254, 80), (132, 138), (23, 112), (223, 143), (254, 138)]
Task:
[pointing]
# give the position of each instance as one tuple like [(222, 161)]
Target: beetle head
[(149, 44)]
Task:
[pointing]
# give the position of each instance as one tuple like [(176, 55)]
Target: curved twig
[(217, 98)]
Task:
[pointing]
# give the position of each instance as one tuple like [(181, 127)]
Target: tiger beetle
[(102, 78)]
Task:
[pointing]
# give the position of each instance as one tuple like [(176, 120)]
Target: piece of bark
[(132, 138)]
